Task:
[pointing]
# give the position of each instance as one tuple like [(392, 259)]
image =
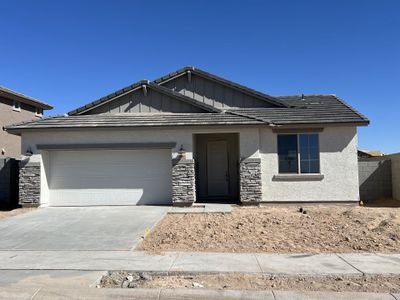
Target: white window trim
[(298, 155), (18, 109)]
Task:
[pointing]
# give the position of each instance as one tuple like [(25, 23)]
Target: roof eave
[(30, 101), (325, 123), (19, 131)]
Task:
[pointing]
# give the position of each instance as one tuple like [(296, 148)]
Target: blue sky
[(69, 53)]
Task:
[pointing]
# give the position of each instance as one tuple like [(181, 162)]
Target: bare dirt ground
[(14, 212), (280, 230), (375, 284)]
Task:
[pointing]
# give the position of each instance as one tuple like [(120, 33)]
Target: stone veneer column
[(29, 183), (183, 182), (250, 181)]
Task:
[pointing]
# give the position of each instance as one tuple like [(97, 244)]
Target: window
[(298, 153), (38, 112), (16, 106), (309, 153), (287, 152)]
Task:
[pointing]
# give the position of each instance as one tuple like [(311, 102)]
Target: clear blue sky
[(68, 53)]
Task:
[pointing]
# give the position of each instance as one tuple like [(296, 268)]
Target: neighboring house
[(368, 153), (193, 136), (15, 108)]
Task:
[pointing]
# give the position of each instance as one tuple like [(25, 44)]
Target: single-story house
[(192, 136)]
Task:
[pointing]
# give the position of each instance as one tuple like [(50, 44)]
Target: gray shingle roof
[(135, 120), (290, 110), (7, 93), (312, 109)]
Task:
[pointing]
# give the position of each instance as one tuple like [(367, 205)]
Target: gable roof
[(304, 110), (223, 81), (307, 109), (138, 85), (13, 95)]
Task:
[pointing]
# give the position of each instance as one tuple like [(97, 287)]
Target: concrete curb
[(168, 294)]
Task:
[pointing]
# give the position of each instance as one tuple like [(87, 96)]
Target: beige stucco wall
[(338, 146), (338, 160), (9, 142), (248, 140)]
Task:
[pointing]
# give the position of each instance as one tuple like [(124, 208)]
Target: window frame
[(298, 154), (15, 108)]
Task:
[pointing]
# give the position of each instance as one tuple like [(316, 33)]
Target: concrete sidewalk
[(201, 262), (169, 294)]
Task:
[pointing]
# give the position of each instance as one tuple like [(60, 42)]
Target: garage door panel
[(103, 182), (110, 177)]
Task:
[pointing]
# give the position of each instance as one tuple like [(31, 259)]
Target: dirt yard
[(280, 230), (375, 284), (14, 212)]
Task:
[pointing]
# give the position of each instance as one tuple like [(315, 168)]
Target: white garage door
[(110, 177)]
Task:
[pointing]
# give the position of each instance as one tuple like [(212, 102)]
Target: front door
[(217, 160), (217, 168)]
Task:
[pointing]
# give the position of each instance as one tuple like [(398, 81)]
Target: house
[(191, 136), (15, 108), (368, 153)]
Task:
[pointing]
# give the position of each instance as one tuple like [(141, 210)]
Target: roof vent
[(302, 97)]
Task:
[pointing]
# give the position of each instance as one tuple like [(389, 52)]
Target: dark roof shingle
[(135, 120), (309, 109)]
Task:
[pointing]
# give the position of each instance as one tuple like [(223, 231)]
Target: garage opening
[(109, 177)]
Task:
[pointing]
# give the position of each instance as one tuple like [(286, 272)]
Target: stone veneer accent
[(29, 184), (250, 181), (183, 182)]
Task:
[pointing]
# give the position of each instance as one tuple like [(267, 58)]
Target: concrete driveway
[(87, 228)]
